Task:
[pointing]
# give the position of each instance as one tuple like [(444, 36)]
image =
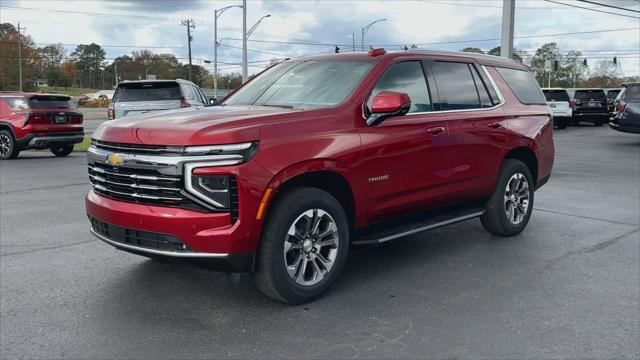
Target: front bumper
[(212, 240), (627, 129)]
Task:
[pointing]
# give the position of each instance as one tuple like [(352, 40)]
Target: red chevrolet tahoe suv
[(38, 121), (316, 154)]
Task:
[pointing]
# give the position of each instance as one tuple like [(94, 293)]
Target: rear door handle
[(495, 125), (435, 130)]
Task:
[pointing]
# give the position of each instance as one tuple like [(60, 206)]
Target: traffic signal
[(615, 61), (584, 63), (337, 50), (556, 65)]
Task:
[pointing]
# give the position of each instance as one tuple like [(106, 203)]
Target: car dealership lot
[(566, 287)]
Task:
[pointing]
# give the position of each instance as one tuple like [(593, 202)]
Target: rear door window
[(16, 103), (147, 91), (556, 95), (406, 77), (523, 85), (456, 86)]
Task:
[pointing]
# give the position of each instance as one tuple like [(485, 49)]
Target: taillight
[(184, 103), (76, 119), (111, 114), (37, 119), (621, 105)]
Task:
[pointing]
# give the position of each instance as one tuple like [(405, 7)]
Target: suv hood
[(192, 126)]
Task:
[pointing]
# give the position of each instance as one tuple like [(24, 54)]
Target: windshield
[(556, 95), (149, 91), (590, 94), (303, 84)]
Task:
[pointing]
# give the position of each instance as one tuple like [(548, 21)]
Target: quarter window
[(524, 86), (456, 86), (406, 77)]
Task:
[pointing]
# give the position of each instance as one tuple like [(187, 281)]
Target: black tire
[(562, 124), (575, 122), (495, 219), (8, 147), (61, 150), (271, 275), (598, 123)]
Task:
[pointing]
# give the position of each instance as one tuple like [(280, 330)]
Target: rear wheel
[(598, 122), (562, 124), (304, 246), (61, 150), (8, 147), (508, 210)]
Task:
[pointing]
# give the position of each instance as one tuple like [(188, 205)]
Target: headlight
[(214, 189)]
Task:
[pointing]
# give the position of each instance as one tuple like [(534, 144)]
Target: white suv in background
[(560, 104), (144, 96)]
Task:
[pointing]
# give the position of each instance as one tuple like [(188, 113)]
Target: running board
[(379, 233)]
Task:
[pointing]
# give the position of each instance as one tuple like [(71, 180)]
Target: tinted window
[(632, 93), (50, 102), (39, 102), (590, 94), (406, 77), (149, 91), (556, 95), (611, 94), (492, 91), (485, 100), (456, 87), (523, 85)]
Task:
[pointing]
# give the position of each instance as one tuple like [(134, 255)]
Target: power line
[(609, 6), (592, 9)]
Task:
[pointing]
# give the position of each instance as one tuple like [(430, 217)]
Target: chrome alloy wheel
[(311, 247), (516, 198), (5, 145)]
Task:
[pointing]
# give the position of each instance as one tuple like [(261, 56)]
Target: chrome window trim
[(157, 252), (143, 159), (188, 173)]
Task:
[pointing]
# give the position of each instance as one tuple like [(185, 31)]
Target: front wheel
[(509, 208), (61, 150), (8, 147), (303, 247)]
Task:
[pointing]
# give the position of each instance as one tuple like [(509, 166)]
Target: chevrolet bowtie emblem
[(115, 160)]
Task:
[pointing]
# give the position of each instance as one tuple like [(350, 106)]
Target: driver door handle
[(495, 125), (435, 130)]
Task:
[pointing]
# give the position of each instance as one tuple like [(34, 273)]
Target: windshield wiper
[(279, 105)]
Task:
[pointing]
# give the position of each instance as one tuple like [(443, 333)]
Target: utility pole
[(245, 65), (20, 56), (115, 71), (353, 41), (508, 17), (190, 25)]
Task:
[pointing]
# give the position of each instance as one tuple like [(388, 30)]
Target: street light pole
[(245, 70), (217, 14), (245, 67), (364, 31)]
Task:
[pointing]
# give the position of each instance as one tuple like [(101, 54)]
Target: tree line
[(87, 67)]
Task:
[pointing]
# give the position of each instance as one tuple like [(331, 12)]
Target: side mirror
[(388, 104), (212, 101)]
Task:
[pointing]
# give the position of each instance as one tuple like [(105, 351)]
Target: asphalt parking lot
[(568, 287)]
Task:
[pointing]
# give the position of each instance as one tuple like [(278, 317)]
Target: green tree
[(88, 59), (496, 52), (9, 60), (473, 50)]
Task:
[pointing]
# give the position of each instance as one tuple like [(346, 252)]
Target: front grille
[(138, 238), (137, 148)]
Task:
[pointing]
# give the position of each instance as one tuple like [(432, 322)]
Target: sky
[(304, 27)]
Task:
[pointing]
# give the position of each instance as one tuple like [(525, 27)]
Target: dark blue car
[(626, 117)]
